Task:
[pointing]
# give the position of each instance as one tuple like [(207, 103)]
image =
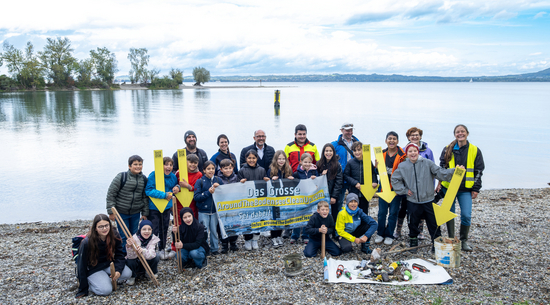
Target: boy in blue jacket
[(204, 188), (319, 223), (161, 219)]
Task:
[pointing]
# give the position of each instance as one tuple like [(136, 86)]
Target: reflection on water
[(74, 143)]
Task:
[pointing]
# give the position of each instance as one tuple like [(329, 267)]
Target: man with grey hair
[(265, 152)]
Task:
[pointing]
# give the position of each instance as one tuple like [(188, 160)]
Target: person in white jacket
[(146, 244)]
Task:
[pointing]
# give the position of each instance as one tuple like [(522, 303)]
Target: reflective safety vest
[(472, 153)]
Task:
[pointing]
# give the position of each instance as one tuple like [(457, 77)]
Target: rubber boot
[(366, 248), (451, 228), (397, 233), (464, 231), (225, 248), (413, 242)]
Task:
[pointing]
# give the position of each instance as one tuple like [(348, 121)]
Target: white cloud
[(539, 15), (503, 15), (535, 54)]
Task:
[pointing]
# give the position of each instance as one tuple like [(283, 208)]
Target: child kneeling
[(146, 244), (319, 223), (354, 226), (193, 236)]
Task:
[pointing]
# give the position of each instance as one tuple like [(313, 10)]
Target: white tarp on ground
[(437, 274)]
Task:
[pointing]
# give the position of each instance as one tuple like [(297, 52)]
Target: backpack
[(124, 177), (76, 245)]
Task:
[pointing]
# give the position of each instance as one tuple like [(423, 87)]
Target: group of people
[(412, 173)]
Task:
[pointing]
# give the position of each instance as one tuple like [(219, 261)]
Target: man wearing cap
[(191, 148), (265, 152), (343, 149)]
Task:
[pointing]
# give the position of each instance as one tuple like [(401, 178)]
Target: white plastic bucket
[(446, 254)]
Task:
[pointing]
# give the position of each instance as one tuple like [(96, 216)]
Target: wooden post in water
[(277, 104)]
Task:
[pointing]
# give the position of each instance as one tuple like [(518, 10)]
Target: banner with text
[(256, 206)]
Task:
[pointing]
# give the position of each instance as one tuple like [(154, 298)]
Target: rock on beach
[(510, 264)]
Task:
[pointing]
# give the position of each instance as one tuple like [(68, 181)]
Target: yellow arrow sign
[(366, 188), (387, 194), (443, 213), (159, 181), (185, 196)]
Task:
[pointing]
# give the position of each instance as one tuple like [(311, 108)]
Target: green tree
[(85, 71), (14, 58), (139, 61), (58, 59), (105, 64), (201, 76), (177, 75), (33, 72)]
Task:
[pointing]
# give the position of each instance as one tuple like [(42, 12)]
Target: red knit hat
[(411, 145)]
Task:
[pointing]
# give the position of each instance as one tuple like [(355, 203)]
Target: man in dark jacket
[(265, 152), (127, 194), (191, 148)]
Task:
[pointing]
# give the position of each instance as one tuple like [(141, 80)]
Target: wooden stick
[(139, 255), (113, 281), (323, 246), (177, 235), (406, 249)]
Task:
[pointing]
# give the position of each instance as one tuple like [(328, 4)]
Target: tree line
[(55, 66)]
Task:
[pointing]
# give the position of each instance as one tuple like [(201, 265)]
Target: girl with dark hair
[(223, 153), (461, 152), (328, 165), (101, 246), (249, 172), (193, 236)]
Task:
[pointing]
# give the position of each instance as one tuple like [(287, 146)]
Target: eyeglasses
[(103, 227), (260, 136)]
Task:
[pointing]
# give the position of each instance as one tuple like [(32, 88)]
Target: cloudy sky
[(432, 37)]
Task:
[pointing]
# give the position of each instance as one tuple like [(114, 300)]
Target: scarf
[(350, 211), (188, 233), (144, 241)]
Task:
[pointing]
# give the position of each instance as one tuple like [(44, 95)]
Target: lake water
[(60, 150)]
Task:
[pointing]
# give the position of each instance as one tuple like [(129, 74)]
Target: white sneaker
[(280, 240), (388, 241), (248, 245), (171, 255), (378, 239), (255, 245), (162, 254), (275, 242), (131, 281)]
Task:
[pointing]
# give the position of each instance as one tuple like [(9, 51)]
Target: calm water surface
[(60, 150)]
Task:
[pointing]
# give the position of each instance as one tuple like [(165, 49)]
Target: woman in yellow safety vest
[(461, 152)]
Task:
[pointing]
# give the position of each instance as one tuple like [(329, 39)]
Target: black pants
[(138, 269), (364, 205), (229, 239), (345, 244), (422, 211), (403, 208), (250, 236), (276, 233), (160, 225)]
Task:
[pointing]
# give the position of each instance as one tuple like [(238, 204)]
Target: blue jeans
[(465, 202), (210, 221), (198, 255), (394, 205), (313, 246), (132, 223), (296, 234)]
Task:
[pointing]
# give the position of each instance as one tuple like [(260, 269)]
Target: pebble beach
[(510, 264)]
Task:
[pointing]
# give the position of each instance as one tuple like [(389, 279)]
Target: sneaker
[(275, 242), (248, 245), (396, 235), (255, 245), (421, 236), (378, 239), (306, 241), (388, 241), (292, 241), (161, 254), (171, 255), (365, 248), (280, 241)]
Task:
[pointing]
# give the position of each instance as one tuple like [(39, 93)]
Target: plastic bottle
[(339, 271), (325, 267)]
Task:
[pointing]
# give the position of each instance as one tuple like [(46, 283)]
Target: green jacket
[(131, 199)]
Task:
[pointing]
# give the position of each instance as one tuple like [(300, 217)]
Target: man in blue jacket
[(343, 149)]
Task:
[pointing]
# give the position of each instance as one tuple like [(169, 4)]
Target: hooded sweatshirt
[(301, 173), (193, 236)]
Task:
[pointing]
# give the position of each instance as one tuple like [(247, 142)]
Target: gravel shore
[(510, 264)]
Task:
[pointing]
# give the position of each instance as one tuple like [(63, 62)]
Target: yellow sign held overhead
[(443, 213), (387, 194), (159, 181), (366, 188), (185, 196)]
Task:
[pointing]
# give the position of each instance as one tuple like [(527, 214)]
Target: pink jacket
[(148, 253)]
